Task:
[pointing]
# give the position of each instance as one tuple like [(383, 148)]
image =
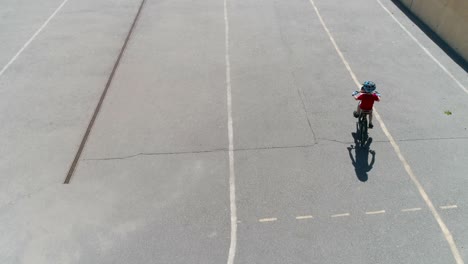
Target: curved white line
[(448, 236), (32, 38)]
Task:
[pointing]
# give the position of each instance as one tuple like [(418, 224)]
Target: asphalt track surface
[(165, 177)]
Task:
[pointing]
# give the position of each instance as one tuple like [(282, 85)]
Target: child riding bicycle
[(367, 96)]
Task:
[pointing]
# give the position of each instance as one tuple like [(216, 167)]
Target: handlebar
[(356, 92)]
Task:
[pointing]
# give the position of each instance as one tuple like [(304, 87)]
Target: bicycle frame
[(362, 125)]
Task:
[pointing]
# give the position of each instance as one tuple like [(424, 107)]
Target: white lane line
[(424, 49), (302, 217), (340, 215), (375, 212), (448, 207), (264, 220), (411, 209), (32, 38), (232, 176), (448, 236)]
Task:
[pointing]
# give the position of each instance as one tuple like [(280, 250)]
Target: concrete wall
[(447, 18)]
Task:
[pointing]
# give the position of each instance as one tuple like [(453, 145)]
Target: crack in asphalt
[(292, 67), (263, 148), (197, 152), (397, 140), (432, 139), (157, 154)]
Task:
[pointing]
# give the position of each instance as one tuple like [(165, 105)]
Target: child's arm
[(355, 94), (377, 96)]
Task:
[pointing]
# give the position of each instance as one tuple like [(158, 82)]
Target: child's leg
[(370, 120), (357, 112)]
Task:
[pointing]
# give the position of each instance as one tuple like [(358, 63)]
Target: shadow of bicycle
[(360, 160)]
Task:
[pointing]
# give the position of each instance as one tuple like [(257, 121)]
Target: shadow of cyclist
[(361, 160)]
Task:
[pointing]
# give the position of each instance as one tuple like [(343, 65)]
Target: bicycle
[(363, 124)]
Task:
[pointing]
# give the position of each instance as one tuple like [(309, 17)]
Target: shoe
[(355, 114), (371, 125)]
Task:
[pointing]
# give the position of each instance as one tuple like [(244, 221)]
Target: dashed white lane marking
[(447, 234), (424, 49), (32, 38), (302, 217), (448, 207), (340, 215), (263, 220), (375, 212), (232, 176), (411, 209)]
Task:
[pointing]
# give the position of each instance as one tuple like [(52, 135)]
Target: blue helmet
[(368, 86)]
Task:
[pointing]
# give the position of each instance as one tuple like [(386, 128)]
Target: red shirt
[(367, 100)]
